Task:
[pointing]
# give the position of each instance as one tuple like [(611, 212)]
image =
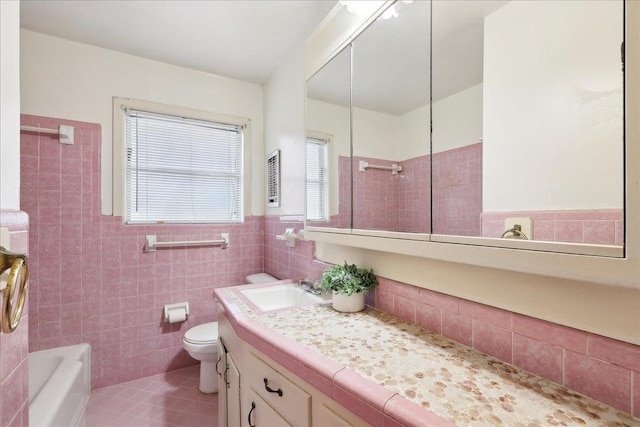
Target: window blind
[(181, 170), (317, 182)]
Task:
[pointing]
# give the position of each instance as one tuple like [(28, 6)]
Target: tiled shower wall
[(91, 281), (14, 347), (605, 369)]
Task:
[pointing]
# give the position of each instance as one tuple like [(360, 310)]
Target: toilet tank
[(260, 278)]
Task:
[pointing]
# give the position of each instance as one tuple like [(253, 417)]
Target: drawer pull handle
[(270, 390), (217, 363), (253, 406)]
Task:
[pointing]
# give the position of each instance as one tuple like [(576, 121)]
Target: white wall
[(375, 134), (457, 120), (75, 81), (413, 133), (284, 130), (567, 126), (10, 105)]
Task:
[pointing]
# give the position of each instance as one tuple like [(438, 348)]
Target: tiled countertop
[(391, 372)]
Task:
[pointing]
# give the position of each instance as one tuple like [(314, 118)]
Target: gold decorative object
[(18, 270)]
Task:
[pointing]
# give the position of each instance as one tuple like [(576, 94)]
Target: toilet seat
[(204, 334)]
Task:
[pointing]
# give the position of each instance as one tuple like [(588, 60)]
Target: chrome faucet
[(309, 285)]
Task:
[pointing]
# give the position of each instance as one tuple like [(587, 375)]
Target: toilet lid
[(203, 334)]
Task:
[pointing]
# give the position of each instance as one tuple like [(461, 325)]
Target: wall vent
[(273, 179)]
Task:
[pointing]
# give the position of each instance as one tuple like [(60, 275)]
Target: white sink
[(282, 296)]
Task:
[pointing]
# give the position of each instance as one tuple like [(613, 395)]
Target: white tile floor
[(170, 399)]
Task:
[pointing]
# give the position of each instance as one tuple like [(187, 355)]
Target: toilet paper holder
[(177, 308)]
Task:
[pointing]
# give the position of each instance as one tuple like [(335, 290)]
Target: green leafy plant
[(347, 279)]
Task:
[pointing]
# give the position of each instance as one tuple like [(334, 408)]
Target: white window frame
[(119, 144), (320, 136)]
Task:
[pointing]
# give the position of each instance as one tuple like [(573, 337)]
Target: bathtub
[(59, 386)]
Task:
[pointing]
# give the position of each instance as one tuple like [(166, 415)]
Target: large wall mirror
[(479, 122), (328, 132), (391, 167), (528, 120)]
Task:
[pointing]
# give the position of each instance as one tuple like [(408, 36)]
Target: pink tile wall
[(602, 368), (375, 196), (457, 191), (414, 195), (596, 226), (383, 201), (284, 262), (14, 347), (91, 282)]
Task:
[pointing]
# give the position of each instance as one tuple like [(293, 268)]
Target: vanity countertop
[(389, 371)]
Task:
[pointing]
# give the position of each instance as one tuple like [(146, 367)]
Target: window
[(181, 170), (317, 180)]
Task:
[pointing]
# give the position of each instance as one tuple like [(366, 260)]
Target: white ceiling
[(245, 40)]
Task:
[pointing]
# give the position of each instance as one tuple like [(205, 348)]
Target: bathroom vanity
[(255, 390), (310, 365)]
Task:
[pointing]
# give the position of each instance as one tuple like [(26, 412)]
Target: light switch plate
[(524, 222)]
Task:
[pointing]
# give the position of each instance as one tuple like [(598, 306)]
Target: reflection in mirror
[(528, 120), (329, 144), (391, 176)]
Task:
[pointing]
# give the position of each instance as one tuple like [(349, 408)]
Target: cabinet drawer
[(263, 415), (292, 402)]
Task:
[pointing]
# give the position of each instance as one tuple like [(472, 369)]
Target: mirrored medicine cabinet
[(493, 124)]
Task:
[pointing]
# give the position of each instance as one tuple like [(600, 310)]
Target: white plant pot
[(348, 303)]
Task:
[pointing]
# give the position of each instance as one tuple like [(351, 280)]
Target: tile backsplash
[(603, 368)]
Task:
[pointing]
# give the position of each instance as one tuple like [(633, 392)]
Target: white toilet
[(202, 344)]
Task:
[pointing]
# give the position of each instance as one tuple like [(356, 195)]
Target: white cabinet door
[(221, 367), (233, 393), (261, 414), (228, 389), (283, 395)]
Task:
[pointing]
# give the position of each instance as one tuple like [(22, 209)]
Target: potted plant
[(348, 284)]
